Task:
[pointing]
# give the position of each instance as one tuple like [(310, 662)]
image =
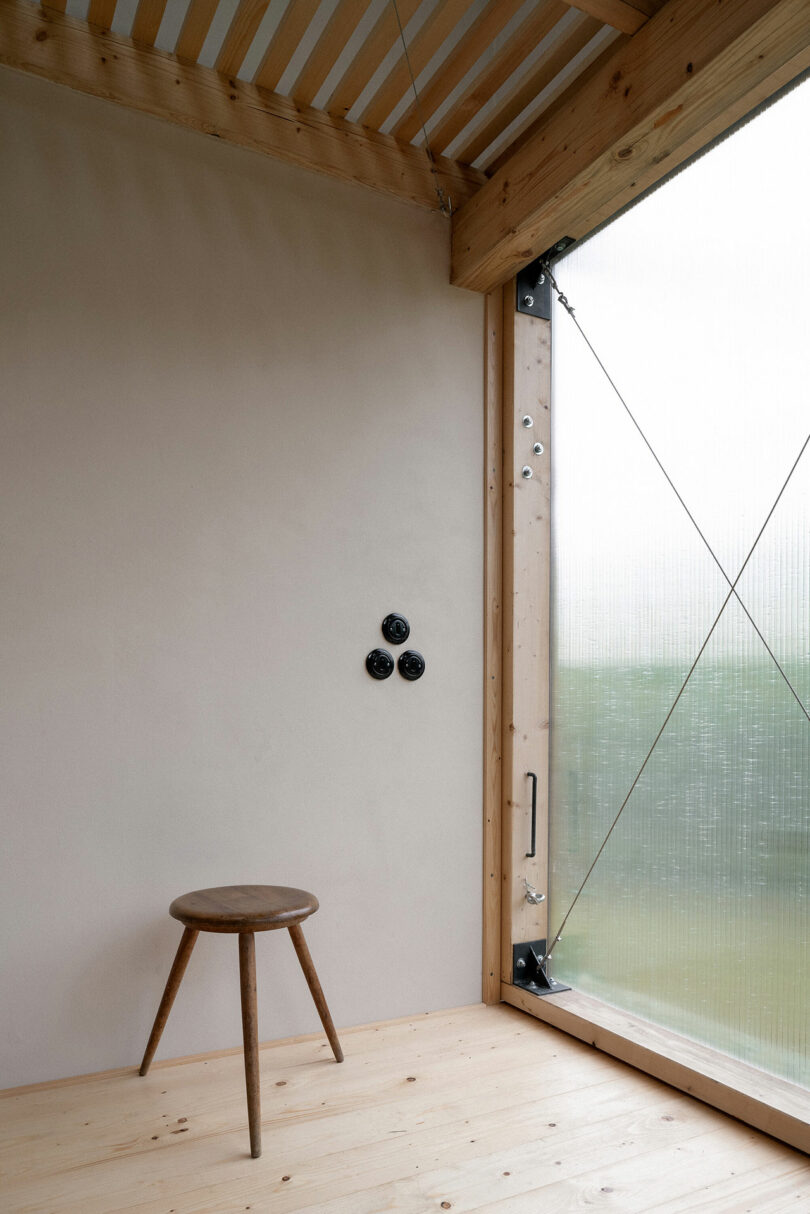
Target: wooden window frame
[(516, 735)]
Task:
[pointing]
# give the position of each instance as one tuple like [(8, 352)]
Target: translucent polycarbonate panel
[(697, 915)]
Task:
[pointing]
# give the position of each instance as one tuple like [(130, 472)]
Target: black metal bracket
[(533, 287), (528, 971)]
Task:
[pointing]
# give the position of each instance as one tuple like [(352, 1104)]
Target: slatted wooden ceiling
[(485, 69), (544, 116)]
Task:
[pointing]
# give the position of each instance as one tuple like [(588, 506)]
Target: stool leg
[(175, 978), (250, 1036), (316, 991)]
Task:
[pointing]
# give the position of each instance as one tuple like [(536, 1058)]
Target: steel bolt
[(528, 301)]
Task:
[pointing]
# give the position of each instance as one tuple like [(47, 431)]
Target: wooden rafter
[(369, 57), (426, 42), (101, 13), (194, 31), (530, 87), (529, 34), (692, 70), (148, 17), (289, 32), (337, 32), (518, 138), (463, 56), (627, 16), (241, 32), (69, 52)]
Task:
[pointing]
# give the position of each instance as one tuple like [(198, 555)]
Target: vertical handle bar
[(531, 854)]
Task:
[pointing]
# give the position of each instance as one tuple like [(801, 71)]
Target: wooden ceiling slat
[(148, 17), (153, 82), (441, 22), (572, 87), (337, 32), (101, 13), (58, 6), (241, 32), (693, 69), (284, 43), (461, 59), (369, 57), (627, 16), (529, 34), (533, 84), (194, 31)]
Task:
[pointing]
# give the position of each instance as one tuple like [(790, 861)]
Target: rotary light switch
[(380, 664), (411, 665), (395, 628)]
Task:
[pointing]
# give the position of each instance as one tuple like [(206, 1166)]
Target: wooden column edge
[(493, 640), (525, 611)]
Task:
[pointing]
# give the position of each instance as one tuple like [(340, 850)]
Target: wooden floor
[(477, 1109)]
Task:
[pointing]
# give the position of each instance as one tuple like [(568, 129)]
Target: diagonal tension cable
[(732, 592), (558, 934), (445, 205), (564, 302)]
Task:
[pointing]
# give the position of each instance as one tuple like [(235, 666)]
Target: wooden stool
[(244, 909)]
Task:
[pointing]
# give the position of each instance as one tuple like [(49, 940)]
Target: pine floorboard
[(479, 1108)]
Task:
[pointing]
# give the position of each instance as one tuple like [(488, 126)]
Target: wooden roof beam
[(428, 39), (689, 73), (465, 54), (241, 32), (194, 30), (327, 50), (101, 13), (148, 17), (531, 32), (627, 16), (556, 59), (66, 51), (369, 57), (284, 43)]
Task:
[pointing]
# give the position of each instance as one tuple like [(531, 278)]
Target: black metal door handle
[(531, 854)]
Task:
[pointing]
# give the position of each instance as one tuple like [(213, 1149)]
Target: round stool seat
[(243, 908)]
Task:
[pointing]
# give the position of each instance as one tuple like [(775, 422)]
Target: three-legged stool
[(245, 909)]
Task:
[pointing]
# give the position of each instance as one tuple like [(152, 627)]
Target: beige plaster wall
[(240, 420)]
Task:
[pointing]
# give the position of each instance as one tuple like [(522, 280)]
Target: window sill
[(761, 1100)]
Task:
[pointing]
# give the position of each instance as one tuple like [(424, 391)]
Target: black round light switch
[(396, 628), (380, 664), (411, 665)]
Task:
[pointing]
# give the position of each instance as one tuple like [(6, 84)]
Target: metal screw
[(538, 448), (520, 963), (526, 472), (528, 421), (561, 246), (528, 301)]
